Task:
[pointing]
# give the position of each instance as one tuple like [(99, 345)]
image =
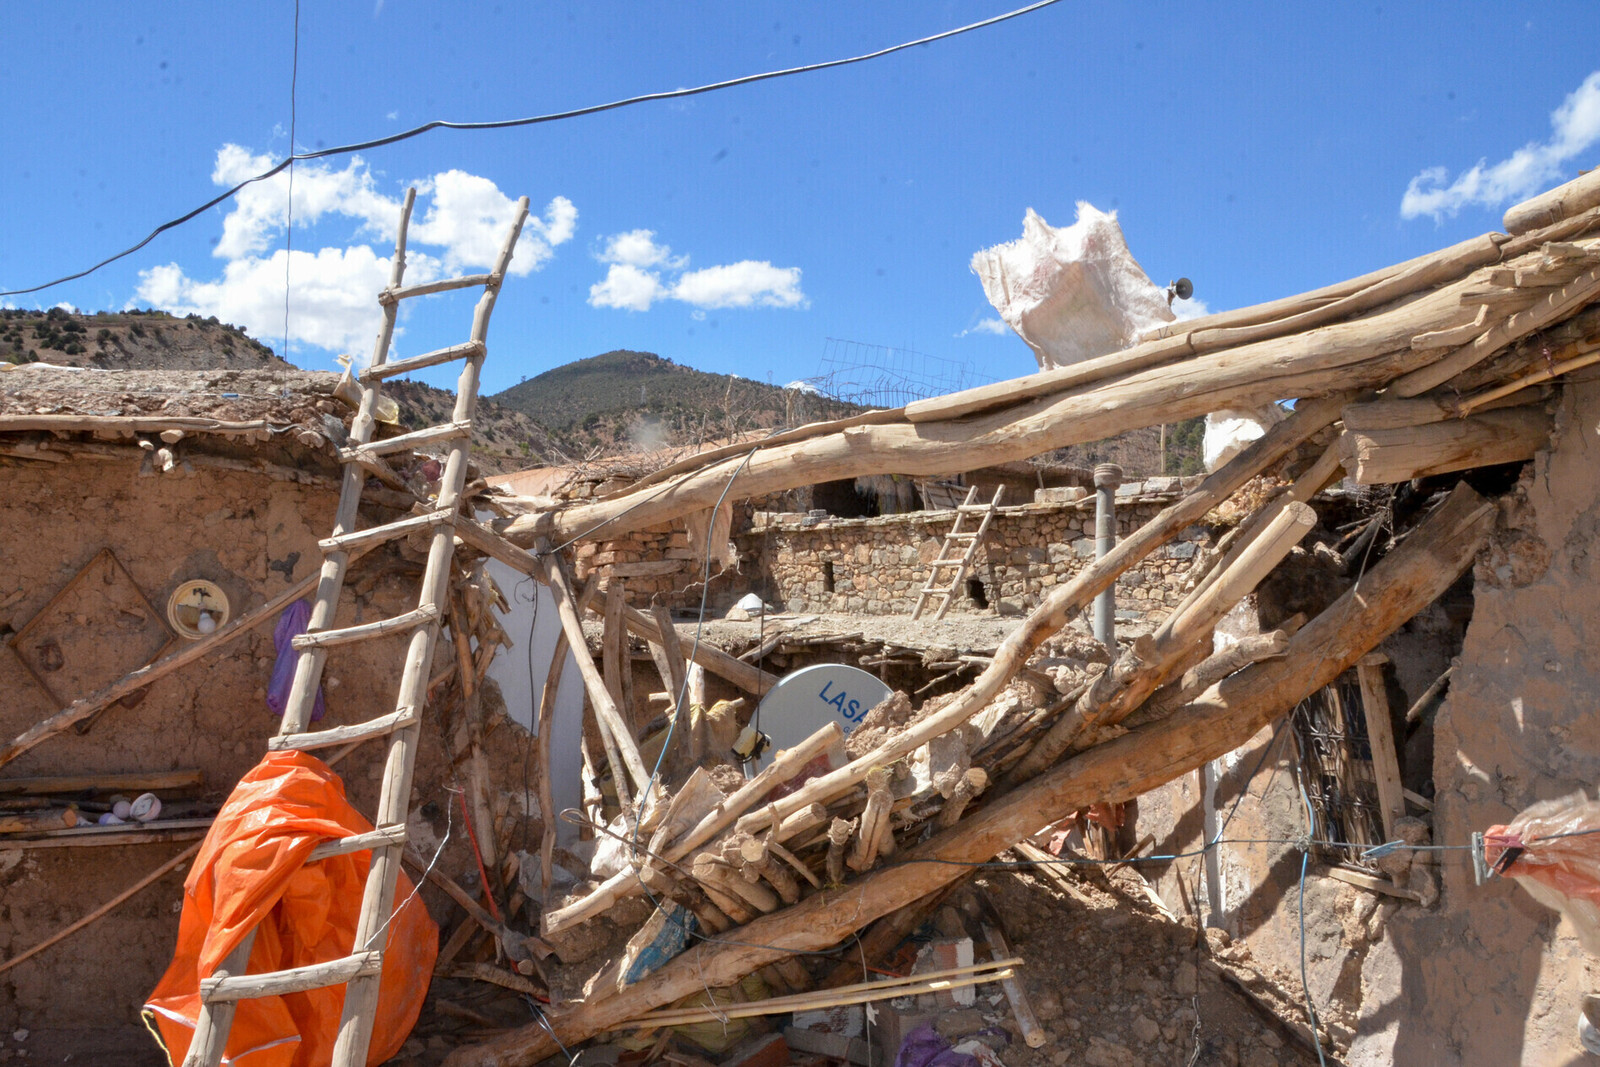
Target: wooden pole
[(748, 678), (1380, 738), (606, 710), (1420, 569), (547, 803), (1383, 457)]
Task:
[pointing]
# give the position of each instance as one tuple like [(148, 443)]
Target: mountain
[(129, 340), (619, 401), (625, 399)]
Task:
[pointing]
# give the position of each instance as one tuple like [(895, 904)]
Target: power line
[(288, 226), (506, 124)]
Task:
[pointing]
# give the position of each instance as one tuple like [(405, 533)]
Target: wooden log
[(1214, 668), (547, 803), (606, 710), (750, 679), (1382, 457), (784, 766), (1549, 208), (1066, 600), (83, 708), (1351, 355), (1548, 308), (31, 822), (671, 664), (1417, 710), (1033, 1034), (973, 782), (839, 834), (1420, 569), (873, 820), (1489, 396), (1380, 737), (169, 783), (1125, 684), (718, 875)]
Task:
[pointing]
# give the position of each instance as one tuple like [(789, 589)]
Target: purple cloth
[(923, 1047), (291, 624)]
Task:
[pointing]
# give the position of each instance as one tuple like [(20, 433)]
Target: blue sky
[(1260, 149)]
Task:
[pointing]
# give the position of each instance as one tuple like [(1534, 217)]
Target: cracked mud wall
[(252, 536), (1491, 976)]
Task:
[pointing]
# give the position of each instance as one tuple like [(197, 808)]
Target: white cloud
[(635, 279), (747, 283), (990, 326), (1575, 126), (627, 287), (333, 306), (334, 299), (638, 248), (469, 215), (1192, 308), (800, 385), (71, 309)]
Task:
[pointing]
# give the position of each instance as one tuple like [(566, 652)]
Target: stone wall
[(878, 566)]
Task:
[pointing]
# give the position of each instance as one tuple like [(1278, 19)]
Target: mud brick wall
[(878, 566)]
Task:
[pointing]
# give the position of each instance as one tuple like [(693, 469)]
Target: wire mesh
[(877, 376)]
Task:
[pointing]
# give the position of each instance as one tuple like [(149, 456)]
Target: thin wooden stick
[(1478, 400), (547, 803), (81, 709), (859, 993), (104, 909)]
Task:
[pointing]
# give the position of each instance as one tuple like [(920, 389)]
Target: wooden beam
[(1380, 738), (168, 782), (1383, 457), (606, 710), (1419, 570), (751, 679)]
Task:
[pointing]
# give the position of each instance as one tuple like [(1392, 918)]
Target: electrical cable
[(554, 116), (288, 226)]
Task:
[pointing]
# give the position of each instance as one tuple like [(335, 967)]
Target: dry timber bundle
[(1438, 365)]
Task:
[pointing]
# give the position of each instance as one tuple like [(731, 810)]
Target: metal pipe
[(1107, 476)]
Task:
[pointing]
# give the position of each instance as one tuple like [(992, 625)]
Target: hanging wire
[(505, 124)]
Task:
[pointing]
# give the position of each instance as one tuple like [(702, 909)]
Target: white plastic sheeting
[(1073, 293)]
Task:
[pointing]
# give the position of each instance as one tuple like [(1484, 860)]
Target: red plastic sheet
[(251, 873), (1553, 850)]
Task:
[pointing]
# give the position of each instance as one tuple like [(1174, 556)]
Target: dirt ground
[(1113, 982)]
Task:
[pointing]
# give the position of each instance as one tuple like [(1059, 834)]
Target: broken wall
[(878, 566), (252, 536), (1488, 975)]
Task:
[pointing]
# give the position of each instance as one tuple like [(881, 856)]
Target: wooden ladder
[(971, 539), (359, 972)]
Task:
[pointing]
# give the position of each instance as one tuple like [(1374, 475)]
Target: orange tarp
[(251, 873)]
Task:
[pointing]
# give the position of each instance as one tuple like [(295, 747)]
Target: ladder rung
[(327, 638), (295, 980), (387, 532), (388, 835), (443, 432), (427, 359), (967, 536), (974, 509), (341, 735), (946, 562), (443, 285)]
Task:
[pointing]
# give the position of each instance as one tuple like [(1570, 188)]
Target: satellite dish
[(812, 697)]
